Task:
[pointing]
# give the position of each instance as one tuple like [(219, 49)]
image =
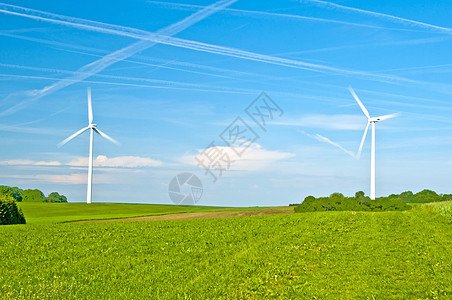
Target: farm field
[(325, 255), (38, 212)]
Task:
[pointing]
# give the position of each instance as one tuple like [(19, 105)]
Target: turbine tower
[(93, 128), (370, 121)]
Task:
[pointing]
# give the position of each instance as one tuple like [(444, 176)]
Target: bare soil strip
[(198, 215)]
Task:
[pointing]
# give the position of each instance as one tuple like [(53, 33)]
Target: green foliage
[(426, 196), (55, 198), (338, 202), (32, 196), (360, 202), (446, 197), (14, 192), (407, 196), (390, 255), (10, 213), (443, 208), (359, 194)]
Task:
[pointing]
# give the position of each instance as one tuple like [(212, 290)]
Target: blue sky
[(169, 78)]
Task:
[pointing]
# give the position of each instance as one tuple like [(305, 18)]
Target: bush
[(446, 197), (55, 198), (14, 192), (10, 213), (32, 196), (426, 196), (338, 202)]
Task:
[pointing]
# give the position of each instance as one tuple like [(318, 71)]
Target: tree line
[(360, 202), (31, 195)]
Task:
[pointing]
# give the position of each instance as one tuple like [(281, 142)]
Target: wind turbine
[(93, 128), (369, 122)]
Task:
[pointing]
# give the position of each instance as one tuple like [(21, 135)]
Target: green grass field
[(40, 213), (321, 255)]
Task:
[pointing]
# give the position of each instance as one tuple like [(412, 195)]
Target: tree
[(338, 202), (54, 197), (407, 196), (359, 194), (337, 195), (14, 192), (446, 197), (309, 199), (32, 196), (426, 196), (10, 213)]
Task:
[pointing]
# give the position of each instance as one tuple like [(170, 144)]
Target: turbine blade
[(358, 155), (385, 117), (106, 136), (90, 107), (363, 108), (72, 136)]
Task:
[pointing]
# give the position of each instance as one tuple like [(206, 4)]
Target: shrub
[(10, 213), (14, 192), (55, 198), (407, 196), (338, 202), (32, 196), (426, 196), (446, 197)]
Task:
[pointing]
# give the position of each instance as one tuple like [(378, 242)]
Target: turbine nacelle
[(374, 120)]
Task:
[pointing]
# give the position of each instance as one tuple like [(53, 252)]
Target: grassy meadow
[(41, 213), (319, 255)]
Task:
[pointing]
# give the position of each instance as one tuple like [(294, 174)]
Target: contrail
[(99, 65), (356, 46), (193, 45), (139, 60), (174, 5), (72, 81), (323, 139), (327, 140), (204, 47), (395, 19), (76, 73)]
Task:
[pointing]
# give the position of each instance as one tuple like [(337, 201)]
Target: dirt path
[(198, 215)]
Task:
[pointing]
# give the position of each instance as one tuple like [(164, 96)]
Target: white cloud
[(26, 162), (59, 179), (118, 162), (99, 161), (332, 122), (47, 163), (251, 158), (66, 179)]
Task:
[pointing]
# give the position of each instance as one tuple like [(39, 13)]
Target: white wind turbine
[(370, 121), (92, 128)]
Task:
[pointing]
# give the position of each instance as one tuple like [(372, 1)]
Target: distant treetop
[(30, 195)]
